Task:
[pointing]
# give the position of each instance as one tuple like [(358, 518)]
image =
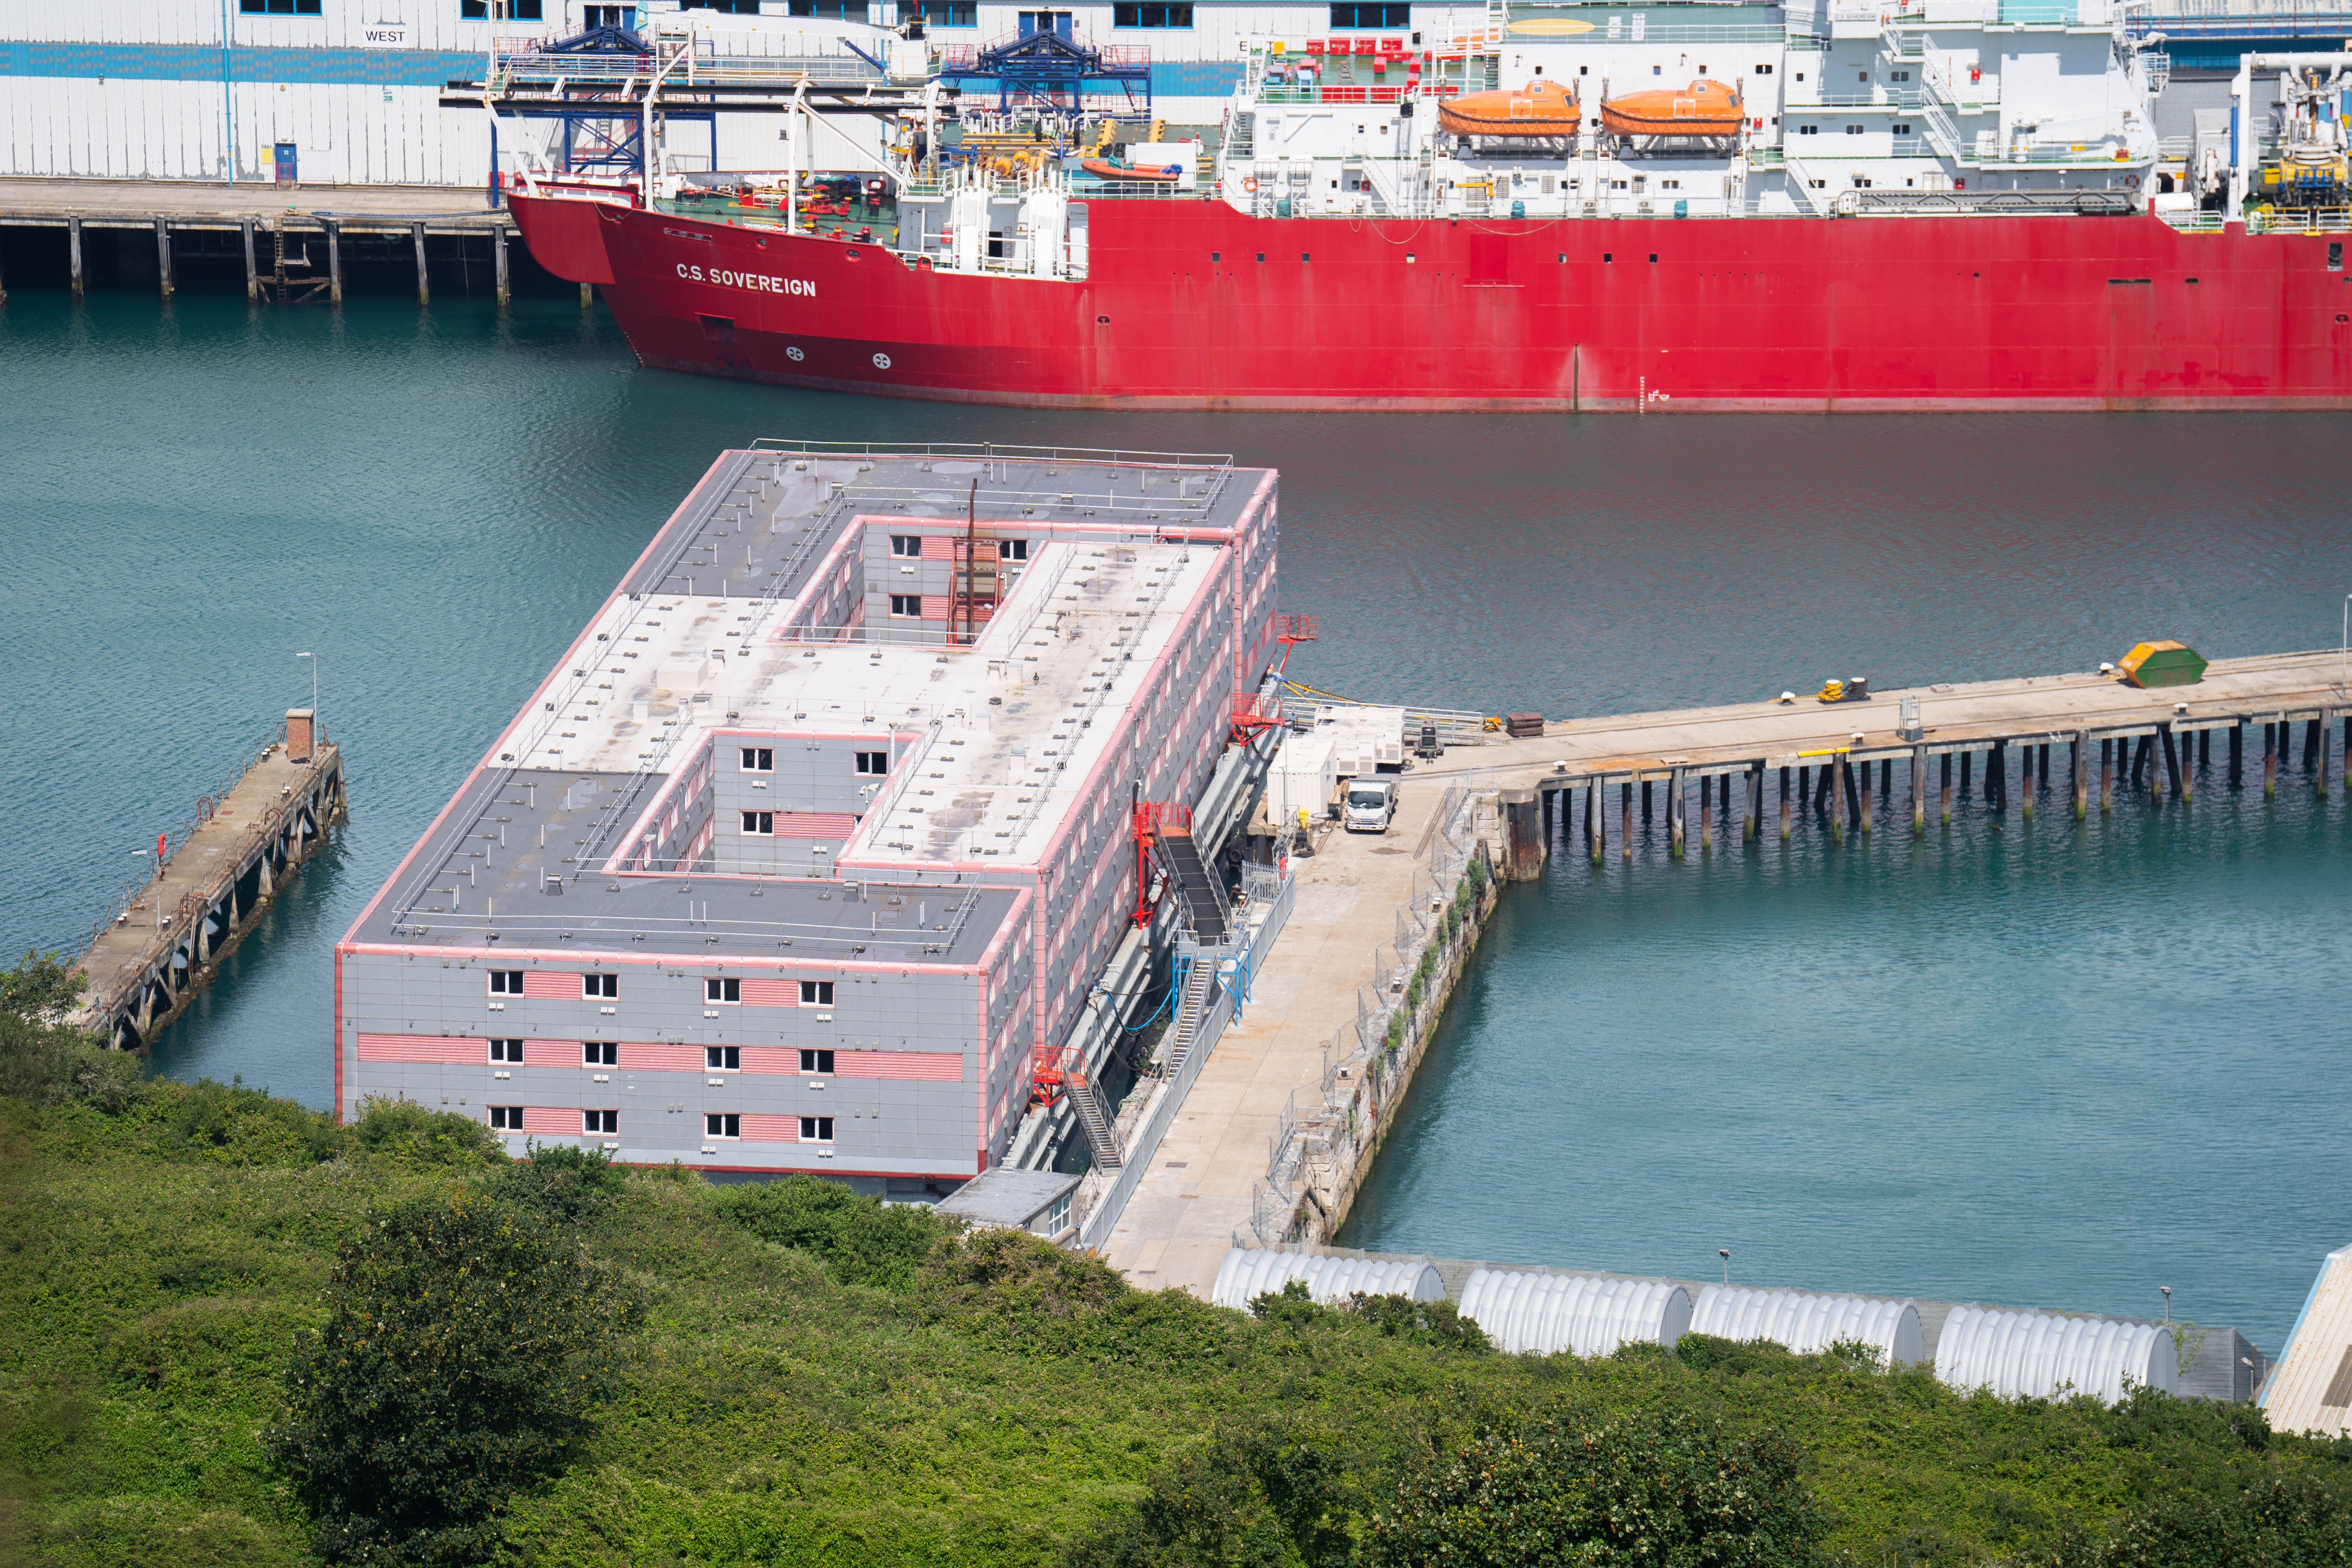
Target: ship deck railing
[(993, 451)]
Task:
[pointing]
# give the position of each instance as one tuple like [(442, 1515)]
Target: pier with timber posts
[(161, 945), (1281, 1128), (290, 241)]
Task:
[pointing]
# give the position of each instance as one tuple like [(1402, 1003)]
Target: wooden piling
[(1677, 788), (1862, 800), (1646, 801), (252, 268), (164, 255), (2106, 776), (1625, 819), (1996, 779), (2169, 774), (2204, 748), (2326, 721), (2033, 767), (2238, 753), (1785, 802), (1752, 829), (1918, 791), (1593, 830), (1837, 799), (499, 252), (424, 283), (2078, 769), (73, 254), (2271, 739), (2310, 743), (1967, 763), (1706, 810), (334, 261), (1946, 762)]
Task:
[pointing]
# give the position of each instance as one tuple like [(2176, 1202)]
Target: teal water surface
[(2054, 1066)]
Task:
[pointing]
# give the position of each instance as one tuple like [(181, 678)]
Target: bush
[(405, 1130), (464, 1350), (562, 1181), (1265, 1494), (861, 1241), (1650, 1489)]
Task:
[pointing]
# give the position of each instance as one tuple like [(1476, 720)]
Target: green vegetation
[(238, 1334)]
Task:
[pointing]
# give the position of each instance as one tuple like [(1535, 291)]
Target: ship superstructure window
[(830, 10), (816, 993), (907, 546), (599, 1053), (1809, 131), (722, 1059), (819, 1062), (289, 8), (1018, 549), (759, 824), (817, 1128), (1855, 129), (759, 759), (717, 990), (506, 1118), (951, 13), (722, 1125), (1763, 70), (1374, 14), (907, 606), (507, 1051), (470, 10), (606, 986), (1151, 15), (874, 763), (600, 1122), (506, 982), (1902, 128)]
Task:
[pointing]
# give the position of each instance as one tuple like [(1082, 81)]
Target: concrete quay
[(1290, 1109)]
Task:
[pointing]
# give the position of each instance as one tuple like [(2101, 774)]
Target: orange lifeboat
[(1538, 108), (1702, 109)]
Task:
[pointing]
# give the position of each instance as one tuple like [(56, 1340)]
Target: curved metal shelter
[(1810, 1324), (2041, 1355), (1248, 1273), (1546, 1314)]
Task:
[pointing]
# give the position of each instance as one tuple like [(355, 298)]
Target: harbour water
[(2051, 1066)]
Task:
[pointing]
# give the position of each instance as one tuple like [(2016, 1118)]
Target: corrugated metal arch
[(1810, 1324), (1250, 1272), (1546, 1314), (2041, 1355)]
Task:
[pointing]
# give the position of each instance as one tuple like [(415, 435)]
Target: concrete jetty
[(1283, 1124), (148, 958)]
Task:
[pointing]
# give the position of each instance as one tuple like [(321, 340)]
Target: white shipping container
[(1302, 777), (1364, 738)]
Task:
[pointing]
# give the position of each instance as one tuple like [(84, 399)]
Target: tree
[(43, 987), (466, 1347), (1654, 1489)]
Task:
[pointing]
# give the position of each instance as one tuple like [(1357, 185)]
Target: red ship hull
[(1190, 304)]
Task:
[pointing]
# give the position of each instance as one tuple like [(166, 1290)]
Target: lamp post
[(1724, 1253), (2167, 1304)]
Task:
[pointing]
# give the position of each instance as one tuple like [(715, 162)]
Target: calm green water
[(2051, 1066)]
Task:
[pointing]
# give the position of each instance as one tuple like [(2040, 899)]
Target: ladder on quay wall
[(1204, 900), (1095, 1121), (1191, 1009)]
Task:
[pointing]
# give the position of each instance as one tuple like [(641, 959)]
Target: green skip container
[(2163, 664)]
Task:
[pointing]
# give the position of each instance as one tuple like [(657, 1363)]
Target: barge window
[(506, 982), (600, 1122), (759, 824), (1371, 14), (759, 759), (722, 1125), (874, 763), (507, 1051), (722, 1059), (817, 1128), (1127, 16), (2335, 256), (907, 546), (906, 605), (607, 987), (951, 13), (716, 989), (817, 1062), (816, 993), (599, 1053), (506, 1118), (1018, 549)]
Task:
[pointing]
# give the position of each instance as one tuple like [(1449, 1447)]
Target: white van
[(1370, 805)]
